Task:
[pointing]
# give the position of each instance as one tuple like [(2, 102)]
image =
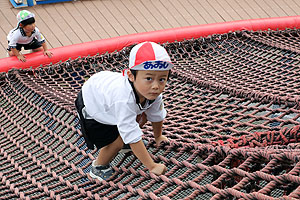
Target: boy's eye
[(162, 79), (148, 78)]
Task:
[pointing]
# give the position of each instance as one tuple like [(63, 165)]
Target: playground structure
[(30, 3), (233, 117)]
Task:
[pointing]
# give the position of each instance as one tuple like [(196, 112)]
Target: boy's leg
[(101, 168), (33, 46), (10, 53), (37, 49), (108, 152), (79, 107)]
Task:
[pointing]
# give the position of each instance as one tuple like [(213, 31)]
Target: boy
[(26, 35), (110, 104)]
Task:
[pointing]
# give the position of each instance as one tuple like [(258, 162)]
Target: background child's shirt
[(109, 99), (18, 36)]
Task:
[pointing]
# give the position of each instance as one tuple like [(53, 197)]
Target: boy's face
[(28, 28), (149, 84)]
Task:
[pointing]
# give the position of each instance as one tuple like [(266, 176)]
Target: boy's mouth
[(153, 94)]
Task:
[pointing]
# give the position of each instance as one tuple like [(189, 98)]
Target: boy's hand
[(159, 169), (159, 139), (21, 58), (48, 53)]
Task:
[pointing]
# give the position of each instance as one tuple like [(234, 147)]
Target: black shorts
[(34, 44), (95, 133)]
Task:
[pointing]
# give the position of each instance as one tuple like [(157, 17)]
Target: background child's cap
[(25, 17), (149, 56)]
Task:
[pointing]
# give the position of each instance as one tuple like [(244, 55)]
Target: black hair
[(28, 21), (134, 73)]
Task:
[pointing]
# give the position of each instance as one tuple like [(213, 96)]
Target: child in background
[(26, 35), (110, 106)]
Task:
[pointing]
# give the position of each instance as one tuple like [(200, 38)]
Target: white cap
[(149, 56), (24, 15)]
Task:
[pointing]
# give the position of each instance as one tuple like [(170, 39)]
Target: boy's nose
[(155, 86)]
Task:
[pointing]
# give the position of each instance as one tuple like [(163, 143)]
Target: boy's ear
[(130, 76)]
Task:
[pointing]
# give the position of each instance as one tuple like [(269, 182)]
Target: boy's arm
[(143, 155), (157, 131), (20, 56)]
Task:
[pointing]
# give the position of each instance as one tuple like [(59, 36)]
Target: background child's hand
[(48, 53), (21, 58), (159, 169), (159, 139)]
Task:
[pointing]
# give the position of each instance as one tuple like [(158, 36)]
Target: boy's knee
[(10, 53), (37, 49), (117, 145), (114, 147)]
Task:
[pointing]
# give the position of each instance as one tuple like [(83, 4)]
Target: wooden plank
[(119, 17), (64, 27), (9, 19), (110, 31), (219, 9), (80, 20), (238, 9), (110, 17), (165, 13), (252, 14), (260, 12), (275, 8), (294, 6), (202, 12), (151, 11), (3, 51), (296, 2), (128, 17), (147, 15), (213, 13), (180, 6), (65, 14), (3, 42), (4, 23), (174, 11), (5, 4), (191, 9), (49, 22), (138, 15), (228, 8), (91, 21), (266, 8), (285, 8)]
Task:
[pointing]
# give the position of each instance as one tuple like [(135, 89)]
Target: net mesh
[(233, 125)]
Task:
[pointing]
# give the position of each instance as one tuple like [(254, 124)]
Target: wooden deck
[(87, 20)]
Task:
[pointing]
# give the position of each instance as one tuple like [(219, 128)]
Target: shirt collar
[(23, 32), (137, 98)]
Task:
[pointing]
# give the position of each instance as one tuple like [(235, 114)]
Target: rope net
[(233, 125)]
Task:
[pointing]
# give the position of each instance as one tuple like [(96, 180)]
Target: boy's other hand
[(48, 53), (159, 169), (21, 58), (159, 139)]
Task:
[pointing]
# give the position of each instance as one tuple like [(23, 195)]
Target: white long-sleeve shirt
[(18, 36), (109, 99)]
